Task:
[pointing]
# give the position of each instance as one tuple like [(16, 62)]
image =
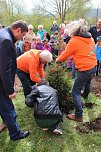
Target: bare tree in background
[(60, 8), (12, 10)]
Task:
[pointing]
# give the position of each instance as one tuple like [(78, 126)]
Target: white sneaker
[(45, 129), (58, 131)]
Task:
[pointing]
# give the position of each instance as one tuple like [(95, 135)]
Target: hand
[(42, 82), (56, 60), (12, 96)]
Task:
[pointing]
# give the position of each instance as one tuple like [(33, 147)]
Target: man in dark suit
[(8, 37)]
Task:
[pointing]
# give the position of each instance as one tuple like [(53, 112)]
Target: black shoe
[(85, 97), (23, 134)]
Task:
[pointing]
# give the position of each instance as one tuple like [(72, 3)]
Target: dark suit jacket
[(7, 61)]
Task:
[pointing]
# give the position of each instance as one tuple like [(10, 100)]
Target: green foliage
[(59, 79)]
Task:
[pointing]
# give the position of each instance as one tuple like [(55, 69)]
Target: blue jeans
[(82, 80), (8, 114), (26, 81)]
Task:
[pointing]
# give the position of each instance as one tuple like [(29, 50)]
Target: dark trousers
[(26, 81), (8, 114), (98, 68), (83, 80)]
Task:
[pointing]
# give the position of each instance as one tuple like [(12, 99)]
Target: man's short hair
[(20, 24), (45, 55)]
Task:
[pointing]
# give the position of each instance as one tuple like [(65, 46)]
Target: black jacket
[(94, 33), (7, 61), (54, 28), (45, 102)]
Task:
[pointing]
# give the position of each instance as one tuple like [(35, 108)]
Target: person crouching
[(30, 68)]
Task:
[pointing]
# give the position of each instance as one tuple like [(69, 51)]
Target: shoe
[(85, 97), (73, 117), (45, 129), (2, 127), (57, 131), (23, 134)]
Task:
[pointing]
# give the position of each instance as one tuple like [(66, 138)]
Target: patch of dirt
[(92, 126), (96, 86), (17, 85)]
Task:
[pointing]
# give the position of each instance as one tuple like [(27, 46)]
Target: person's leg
[(9, 116), (87, 89), (97, 68), (82, 79), (24, 78), (2, 125)]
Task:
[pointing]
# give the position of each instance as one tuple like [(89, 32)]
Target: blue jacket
[(7, 61), (41, 33), (98, 52)]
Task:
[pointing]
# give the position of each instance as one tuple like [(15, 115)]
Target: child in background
[(18, 50), (46, 46), (66, 37), (53, 45), (39, 44), (61, 45), (98, 55), (47, 36), (33, 44), (26, 46)]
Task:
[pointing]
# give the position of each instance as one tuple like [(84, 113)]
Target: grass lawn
[(40, 141)]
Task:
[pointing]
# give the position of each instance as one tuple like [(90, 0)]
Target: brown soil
[(17, 85), (94, 125), (96, 86)]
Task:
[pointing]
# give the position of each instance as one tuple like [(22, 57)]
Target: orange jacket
[(82, 51), (29, 63)]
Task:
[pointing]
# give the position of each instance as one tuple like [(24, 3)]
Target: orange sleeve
[(69, 50), (41, 71), (33, 71)]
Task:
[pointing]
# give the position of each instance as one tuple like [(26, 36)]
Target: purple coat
[(48, 47), (39, 46)]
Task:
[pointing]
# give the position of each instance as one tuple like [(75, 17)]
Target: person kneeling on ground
[(30, 68), (47, 113)]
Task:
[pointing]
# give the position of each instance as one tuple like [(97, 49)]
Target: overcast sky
[(30, 2)]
